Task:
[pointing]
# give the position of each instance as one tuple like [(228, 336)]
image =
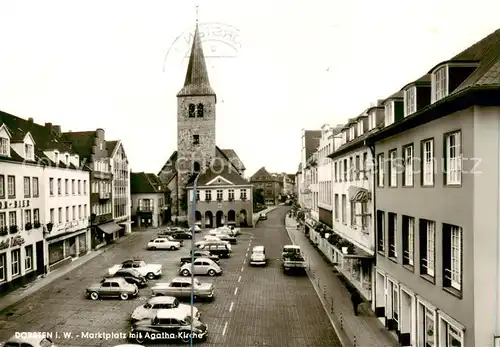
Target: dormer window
[(440, 84), (56, 157), (352, 133), (360, 128), (410, 101), (389, 113), (344, 137), (66, 159), (29, 153), (4, 146)]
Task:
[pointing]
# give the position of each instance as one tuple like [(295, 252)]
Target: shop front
[(63, 248)]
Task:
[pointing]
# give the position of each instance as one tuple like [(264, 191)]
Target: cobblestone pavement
[(253, 306)]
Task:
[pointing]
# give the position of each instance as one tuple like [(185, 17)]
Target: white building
[(21, 231), (66, 194), (306, 195), (121, 199)]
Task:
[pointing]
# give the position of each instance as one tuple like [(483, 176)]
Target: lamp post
[(193, 226)]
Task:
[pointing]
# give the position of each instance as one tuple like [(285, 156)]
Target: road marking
[(246, 254), (235, 290), (248, 249), (242, 269), (231, 307), (239, 279), (244, 261), (224, 330)]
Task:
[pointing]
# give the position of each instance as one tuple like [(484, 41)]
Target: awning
[(357, 194), (126, 222), (109, 228)]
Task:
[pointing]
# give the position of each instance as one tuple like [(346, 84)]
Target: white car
[(258, 256), (163, 243), (149, 309), (150, 271), (219, 231), (212, 238), (203, 244), (34, 340), (201, 266)]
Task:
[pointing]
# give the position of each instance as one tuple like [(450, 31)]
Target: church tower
[(195, 117)]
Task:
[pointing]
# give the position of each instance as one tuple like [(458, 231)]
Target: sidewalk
[(363, 330), (267, 210), (19, 294)]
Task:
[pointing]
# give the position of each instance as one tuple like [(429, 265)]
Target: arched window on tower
[(192, 110), (199, 110), (196, 166)]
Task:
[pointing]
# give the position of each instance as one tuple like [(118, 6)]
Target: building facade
[(437, 277), (150, 200), (309, 145), (120, 186), (91, 146), (222, 199), (270, 185), (288, 184)]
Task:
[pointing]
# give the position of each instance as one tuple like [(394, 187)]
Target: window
[(2, 186), (196, 139), (395, 301), (364, 216), (380, 170), (353, 213), (352, 133), (28, 152), (59, 186), (12, 218), (440, 84), (208, 195), (27, 216), (360, 128), (73, 189), (36, 187), (51, 186), (427, 162), (67, 214), (231, 194), (3, 220), (79, 187), (191, 110), (74, 212), (219, 194), (335, 171), (36, 215), (52, 219), (85, 211), (365, 166), (357, 167), (452, 256), (28, 259), (408, 168), (27, 187), (56, 158), (449, 334), (4, 146), (410, 101), (373, 121), (427, 231), (15, 260), (344, 209), (60, 215), (11, 186), (199, 110), (426, 326), (198, 195), (393, 169), (66, 186), (243, 194), (453, 171), (345, 170), (351, 169), (389, 113), (3, 267), (408, 240), (336, 207), (84, 186), (392, 232)]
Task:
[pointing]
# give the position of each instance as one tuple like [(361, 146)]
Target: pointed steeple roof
[(197, 82)]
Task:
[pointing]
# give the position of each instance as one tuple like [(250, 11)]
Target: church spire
[(197, 82)]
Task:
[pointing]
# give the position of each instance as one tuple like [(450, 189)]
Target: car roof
[(181, 279), (161, 300), (204, 259), (109, 279), (258, 249), (292, 246), (176, 313)]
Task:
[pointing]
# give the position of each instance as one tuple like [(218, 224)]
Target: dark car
[(132, 276), (262, 216), (200, 254), (182, 235), (218, 249)]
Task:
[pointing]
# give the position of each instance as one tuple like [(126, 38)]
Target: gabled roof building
[(149, 197)]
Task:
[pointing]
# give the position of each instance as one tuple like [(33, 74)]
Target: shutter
[(446, 255), (422, 229)]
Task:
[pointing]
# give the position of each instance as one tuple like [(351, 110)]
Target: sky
[(280, 67)]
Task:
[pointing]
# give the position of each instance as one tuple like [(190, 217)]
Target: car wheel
[(124, 296), (152, 248), (138, 338), (211, 273), (173, 248), (185, 273), (150, 276), (94, 295), (185, 338)]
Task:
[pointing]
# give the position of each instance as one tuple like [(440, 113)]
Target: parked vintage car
[(132, 276), (200, 254), (164, 243), (225, 237), (180, 287), (168, 325), (171, 238), (112, 287), (202, 244), (150, 271), (32, 341), (182, 235), (221, 250), (263, 216), (201, 266), (149, 309)]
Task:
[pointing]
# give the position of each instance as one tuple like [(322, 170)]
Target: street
[(253, 306)]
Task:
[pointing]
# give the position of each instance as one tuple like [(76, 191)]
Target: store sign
[(14, 204), (68, 226), (12, 242)]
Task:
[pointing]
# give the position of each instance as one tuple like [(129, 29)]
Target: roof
[(111, 146), (312, 138), (356, 143), (222, 170), (233, 157), (143, 183), (161, 300), (424, 80), (196, 82), (81, 141), (176, 313)]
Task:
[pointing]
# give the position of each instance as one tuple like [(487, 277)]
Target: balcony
[(101, 175), (145, 209), (104, 196)]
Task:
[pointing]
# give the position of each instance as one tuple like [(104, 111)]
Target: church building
[(225, 196)]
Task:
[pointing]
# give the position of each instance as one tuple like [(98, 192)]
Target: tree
[(258, 197)]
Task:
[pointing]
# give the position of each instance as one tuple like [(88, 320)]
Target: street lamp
[(193, 225)]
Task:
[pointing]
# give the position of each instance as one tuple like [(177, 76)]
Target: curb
[(344, 340)]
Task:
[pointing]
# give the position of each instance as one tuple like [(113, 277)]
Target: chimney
[(48, 126), (56, 129), (30, 121)]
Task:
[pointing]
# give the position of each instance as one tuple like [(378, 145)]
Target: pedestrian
[(356, 300)]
